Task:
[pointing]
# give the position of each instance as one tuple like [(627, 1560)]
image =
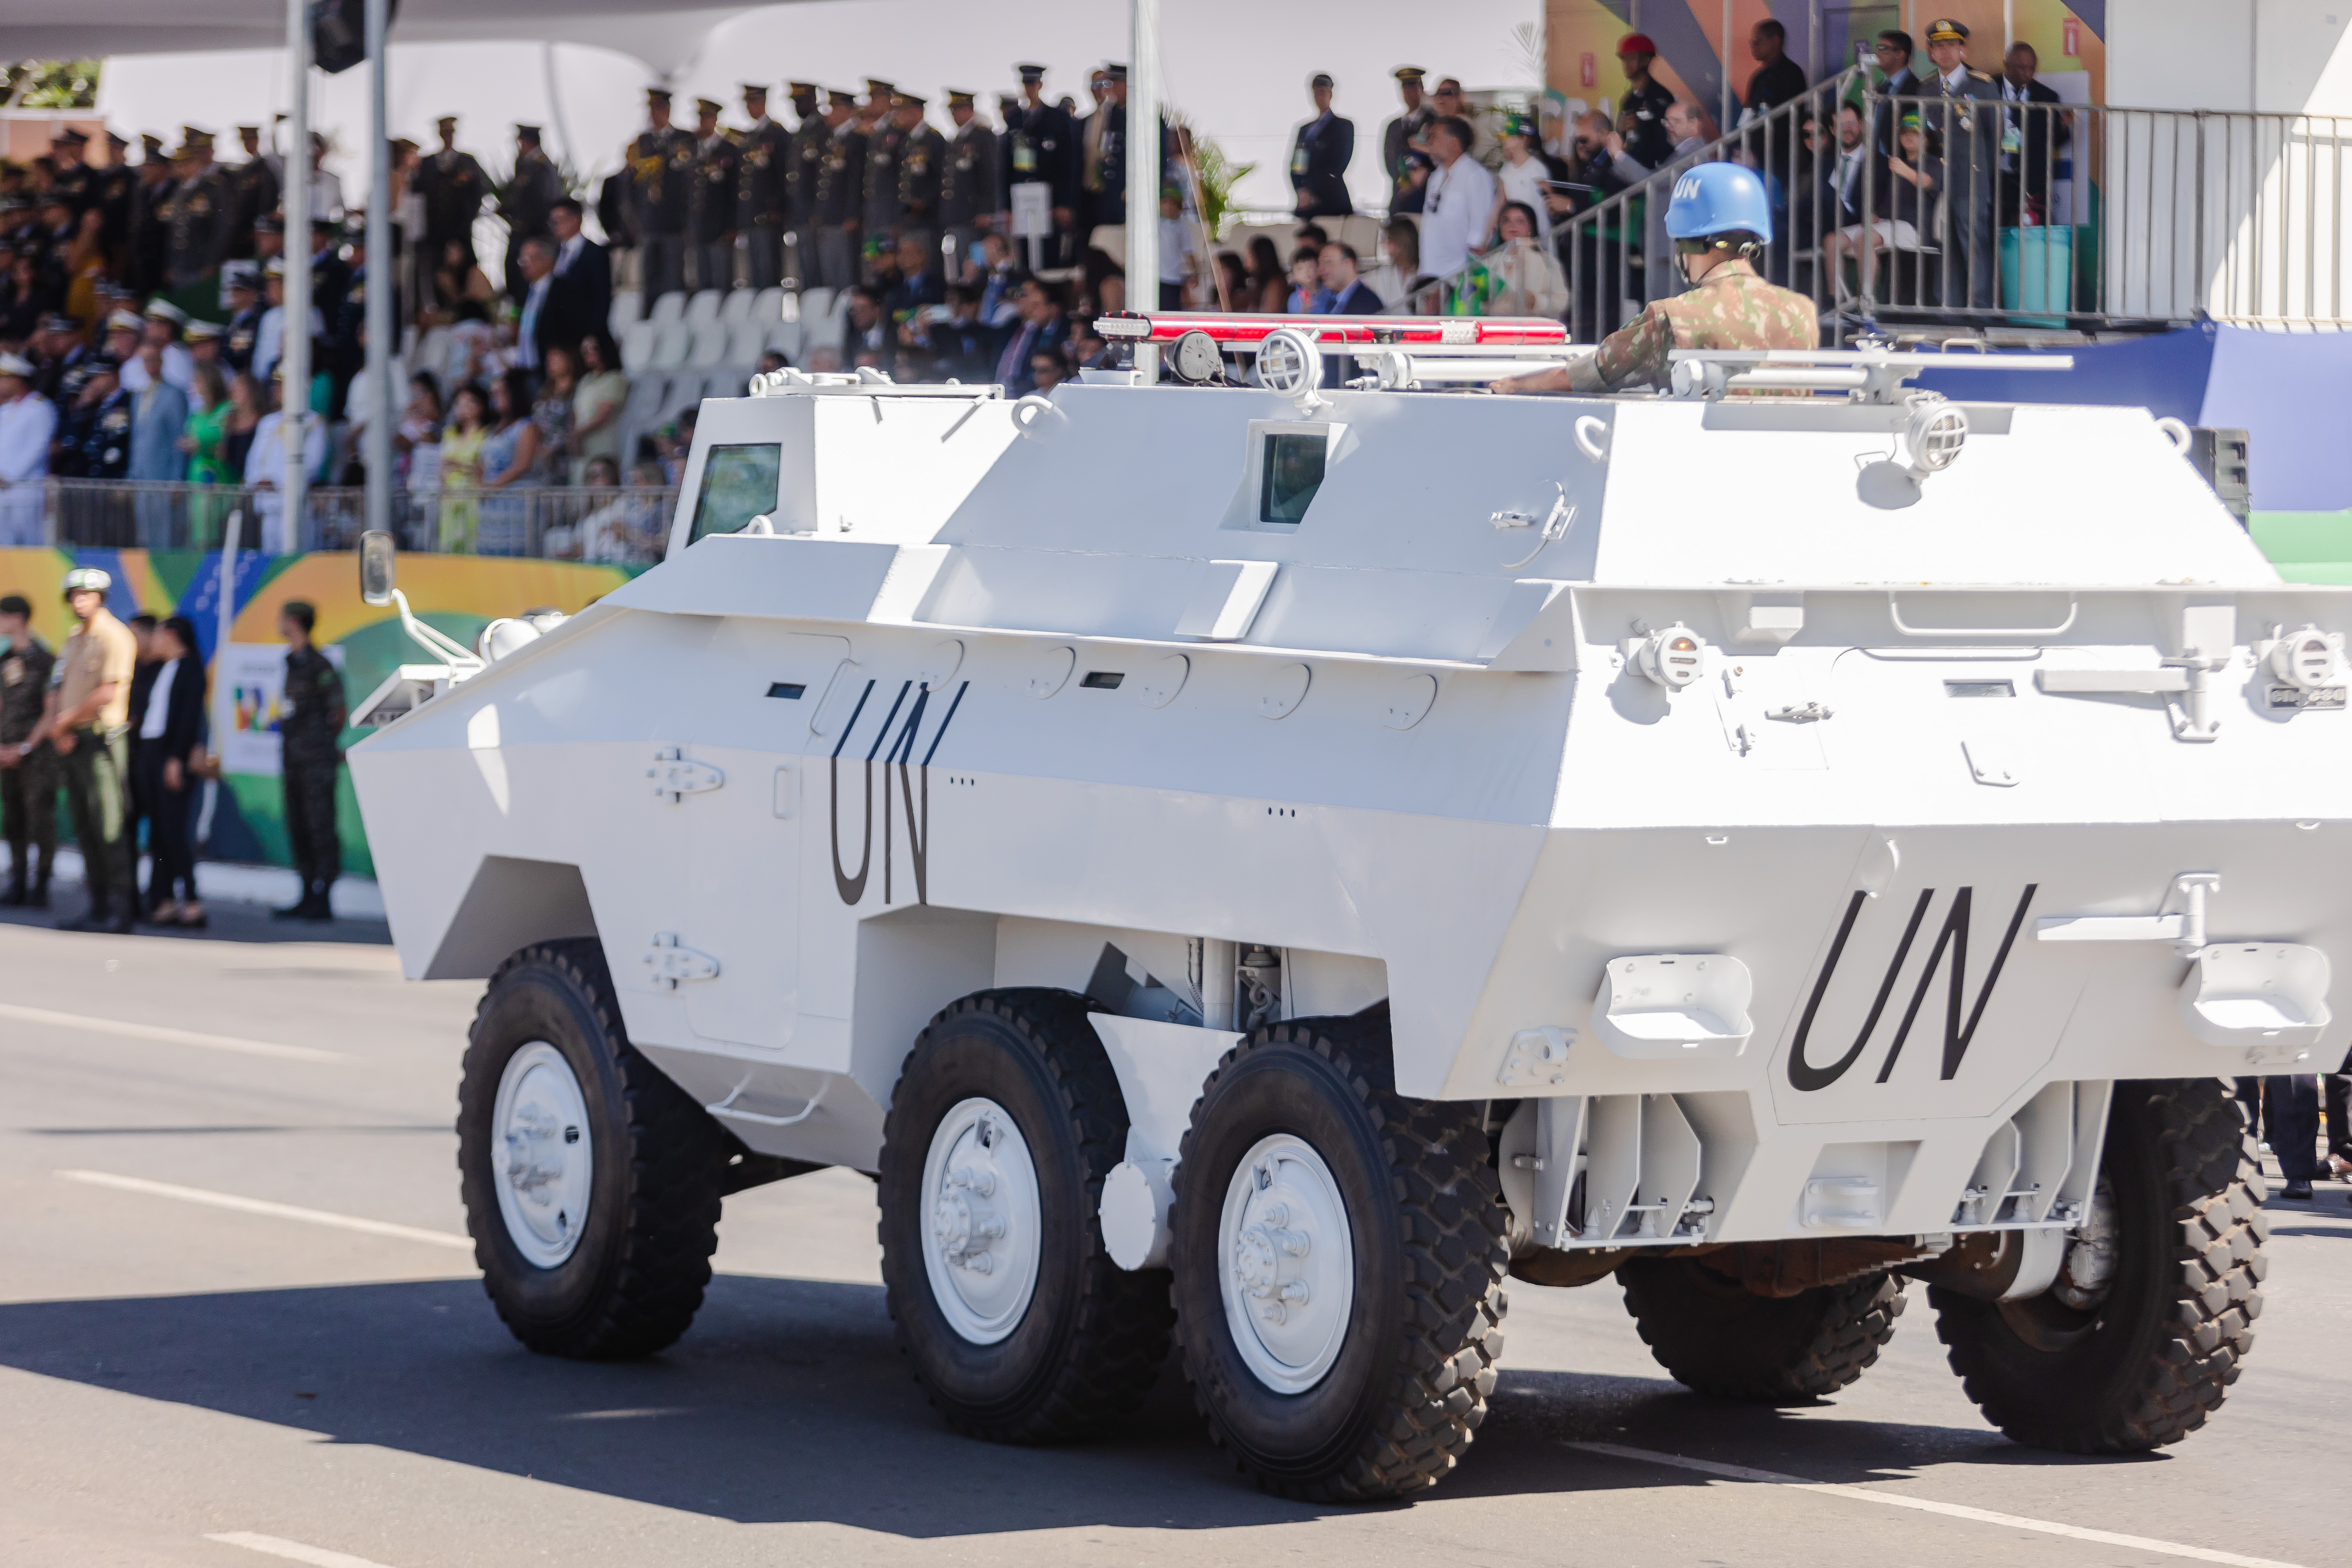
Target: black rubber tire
[(1093, 1339), (2152, 1362), (636, 1280), (1398, 1409), (1717, 1337)]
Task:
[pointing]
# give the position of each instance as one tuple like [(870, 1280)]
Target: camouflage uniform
[(28, 790), (1730, 308), (308, 730)]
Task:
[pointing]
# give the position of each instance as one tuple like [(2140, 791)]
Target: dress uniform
[(76, 181), (1319, 155), (1971, 137), (810, 140), (712, 202), (840, 193), (534, 189), (880, 209), (968, 198), (95, 443), (1040, 144), (253, 194), (151, 203), (1102, 154), (93, 717), (196, 230), (452, 186), (922, 162), (1399, 135), (661, 179), (28, 773), (763, 196), (309, 731), (117, 183)]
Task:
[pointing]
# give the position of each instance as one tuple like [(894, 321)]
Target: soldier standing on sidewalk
[(309, 729), (88, 728), (28, 768)]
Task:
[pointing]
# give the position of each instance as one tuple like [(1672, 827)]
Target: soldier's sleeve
[(989, 195), (331, 680), (1634, 354)]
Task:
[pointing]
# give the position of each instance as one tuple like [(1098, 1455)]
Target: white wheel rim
[(546, 1160), (981, 1221), (1288, 1264)]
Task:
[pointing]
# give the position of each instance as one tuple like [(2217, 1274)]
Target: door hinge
[(666, 963), (674, 775)]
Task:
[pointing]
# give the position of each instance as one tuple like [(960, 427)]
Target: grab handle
[(1895, 610)]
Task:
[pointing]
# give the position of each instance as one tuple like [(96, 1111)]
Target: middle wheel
[(1338, 1255), (1002, 1128)]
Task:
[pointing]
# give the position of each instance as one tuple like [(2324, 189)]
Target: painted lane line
[(166, 1034), (261, 1206), (1925, 1505), (294, 1551)]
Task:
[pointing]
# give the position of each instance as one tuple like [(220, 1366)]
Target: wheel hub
[(1289, 1274), (540, 1122), (985, 1222)]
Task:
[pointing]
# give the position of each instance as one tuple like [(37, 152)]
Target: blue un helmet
[(1720, 198)]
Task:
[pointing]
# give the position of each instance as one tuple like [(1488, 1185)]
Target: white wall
[(1236, 67), (2277, 55)]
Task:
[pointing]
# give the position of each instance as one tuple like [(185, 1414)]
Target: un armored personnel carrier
[(1248, 866)]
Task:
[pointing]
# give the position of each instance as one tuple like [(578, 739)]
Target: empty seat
[(784, 337), (703, 305), (709, 342), (834, 321), (637, 341), (746, 340), (735, 309), (641, 414), (433, 353), (668, 307), (685, 392), (673, 342), (628, 306), (728, 381), (815, 304), (768, 307)]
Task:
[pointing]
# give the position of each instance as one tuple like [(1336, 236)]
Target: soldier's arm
[(1633, 354)]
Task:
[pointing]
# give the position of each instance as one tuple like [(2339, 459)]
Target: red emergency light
[(1400, 332)]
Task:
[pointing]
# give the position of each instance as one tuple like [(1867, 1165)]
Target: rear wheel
[(592, 1182), (2138, 1340), (1717, 1336), (1002, 1128), (1338, 1253)]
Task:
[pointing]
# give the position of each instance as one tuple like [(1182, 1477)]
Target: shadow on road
[(789, 1402)]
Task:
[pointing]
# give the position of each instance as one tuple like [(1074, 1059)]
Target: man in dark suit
[(1400, 134), (580, 289), (2031, 143), (1319, 155), (1335, 268), (1039, 328), (1894, 50), (1040, 144), (1970, 123), (1102, 157)]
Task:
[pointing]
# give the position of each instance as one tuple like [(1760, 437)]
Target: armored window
[(738, 483), (1290, 474)]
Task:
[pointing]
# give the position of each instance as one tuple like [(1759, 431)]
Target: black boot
[(41, 899), (299, 909), (15, 895), (319, 907)]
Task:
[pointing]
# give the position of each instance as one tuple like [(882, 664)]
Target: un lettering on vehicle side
[(1952, 940), (914, 788)]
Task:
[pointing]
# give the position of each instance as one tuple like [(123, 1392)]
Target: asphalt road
[(183, 1382)]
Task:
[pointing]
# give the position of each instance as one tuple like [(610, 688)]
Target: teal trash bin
[(2037, 274)]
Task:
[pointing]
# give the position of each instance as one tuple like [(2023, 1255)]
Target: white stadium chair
[(709, 342), (785, 337), (735, 309), (815, 304), (628, 309), (638, 345), (673, 342), (703, 305), (668, 307), (768, 308), (746, 340)]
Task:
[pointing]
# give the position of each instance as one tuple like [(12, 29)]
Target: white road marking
[(258, 1206), (1925, 1505), (166, 1034), (319, 1556)]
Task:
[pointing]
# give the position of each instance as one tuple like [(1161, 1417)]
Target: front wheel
[(2138, 1340), (592, 1182), (1338, 1253)]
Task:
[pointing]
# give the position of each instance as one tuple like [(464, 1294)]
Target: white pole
[(1725, 124), (294, 427), (1143, 168), (377, 457)]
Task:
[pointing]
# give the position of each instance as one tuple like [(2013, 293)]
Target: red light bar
[(1404, 331)]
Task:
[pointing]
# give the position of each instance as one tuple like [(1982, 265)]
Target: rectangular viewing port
[(1290, 471), (1103, 679), (1980, 688), (790, 691), (738, 483)]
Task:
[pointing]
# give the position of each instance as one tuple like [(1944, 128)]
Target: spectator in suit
[(170, 730), (1776, 78), (1894, 50), (2033, 142), (535, 330), (866, 337), (580, 293), (962, 347), (1039, 328), (1319, 155), (1344, 287)]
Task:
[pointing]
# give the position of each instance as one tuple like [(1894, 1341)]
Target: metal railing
[(623, 525), (1979, 213)]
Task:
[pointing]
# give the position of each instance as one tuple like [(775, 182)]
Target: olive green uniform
[(28, 788), (1730, 308)]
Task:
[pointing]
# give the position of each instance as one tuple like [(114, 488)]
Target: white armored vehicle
[(1250, 865)]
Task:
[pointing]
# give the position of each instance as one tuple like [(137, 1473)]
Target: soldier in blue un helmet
[(1720, 221)]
